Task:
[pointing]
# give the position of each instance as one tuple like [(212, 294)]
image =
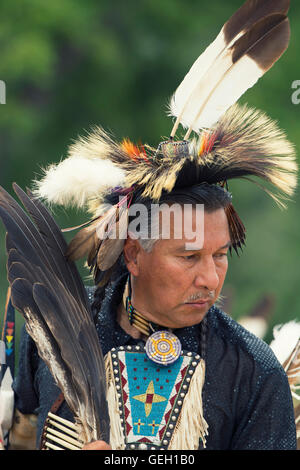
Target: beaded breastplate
[(155, 406)]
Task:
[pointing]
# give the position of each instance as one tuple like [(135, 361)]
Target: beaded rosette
[(155, 406)]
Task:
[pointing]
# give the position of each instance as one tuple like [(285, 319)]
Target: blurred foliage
[(71, 64)]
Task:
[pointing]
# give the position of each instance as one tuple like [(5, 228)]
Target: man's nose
[(206, 276)]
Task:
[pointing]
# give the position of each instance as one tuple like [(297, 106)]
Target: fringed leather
[(117, 440), (191, 425)]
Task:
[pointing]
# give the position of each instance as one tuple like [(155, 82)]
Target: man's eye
[(220, 255), (189, 257)]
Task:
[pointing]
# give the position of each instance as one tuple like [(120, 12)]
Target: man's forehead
[(195, 227), (187, 247)]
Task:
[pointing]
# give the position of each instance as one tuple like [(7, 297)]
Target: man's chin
[(184, 315), (191, 318), (194, 313)]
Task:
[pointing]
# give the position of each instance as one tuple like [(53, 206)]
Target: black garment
[(247, 400)]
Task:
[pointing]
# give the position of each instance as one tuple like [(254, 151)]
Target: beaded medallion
[(163, 347)]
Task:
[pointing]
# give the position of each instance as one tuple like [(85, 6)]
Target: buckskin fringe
[(117, 440), (191, 425)]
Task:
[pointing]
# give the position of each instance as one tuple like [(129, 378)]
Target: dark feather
[(83, 243), (112, 246), (92, 255), (102, 277), (54, 240), (46, 290), (109, 252), (8, 243), (251, 12), (266, 41), (87, 238), (20, 236), (236, 228), (17, 270), (21, 295)]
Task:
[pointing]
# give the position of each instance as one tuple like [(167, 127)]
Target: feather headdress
[(230, 141), (49, 293)]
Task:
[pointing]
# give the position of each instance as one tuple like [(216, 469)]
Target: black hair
[(213, 196)]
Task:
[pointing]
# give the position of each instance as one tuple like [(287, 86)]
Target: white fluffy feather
[(285, 340), (75, 180)]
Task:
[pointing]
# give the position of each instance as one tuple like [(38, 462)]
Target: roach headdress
[(221, 141)]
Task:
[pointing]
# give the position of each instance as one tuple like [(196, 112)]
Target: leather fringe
[(117, 440), (191, 425)]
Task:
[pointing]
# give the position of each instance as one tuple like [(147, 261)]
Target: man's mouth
[(200, 303)]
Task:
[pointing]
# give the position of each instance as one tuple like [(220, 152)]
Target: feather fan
[(249, 44), (48, 291)]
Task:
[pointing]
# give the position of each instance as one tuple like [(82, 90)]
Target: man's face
[(171, 285)]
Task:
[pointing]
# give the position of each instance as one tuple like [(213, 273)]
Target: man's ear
[(131, 251)]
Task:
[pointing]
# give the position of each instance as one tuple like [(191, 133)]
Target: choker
[(137, 320), (162, 346)]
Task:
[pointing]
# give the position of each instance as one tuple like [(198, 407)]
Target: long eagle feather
[(48, 291), (248, 45)]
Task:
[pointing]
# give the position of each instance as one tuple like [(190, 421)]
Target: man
[(180, 374), (176, 288)]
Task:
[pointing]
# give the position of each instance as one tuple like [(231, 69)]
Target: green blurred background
[(71, 64)]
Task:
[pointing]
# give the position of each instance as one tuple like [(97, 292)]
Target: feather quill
[(209, 78), (48, 291)]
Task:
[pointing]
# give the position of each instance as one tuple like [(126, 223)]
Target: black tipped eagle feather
[(248, 45)]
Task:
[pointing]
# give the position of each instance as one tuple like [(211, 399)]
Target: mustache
[(210, 294)]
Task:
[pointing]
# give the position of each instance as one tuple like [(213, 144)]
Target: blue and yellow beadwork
[(163, 347)]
